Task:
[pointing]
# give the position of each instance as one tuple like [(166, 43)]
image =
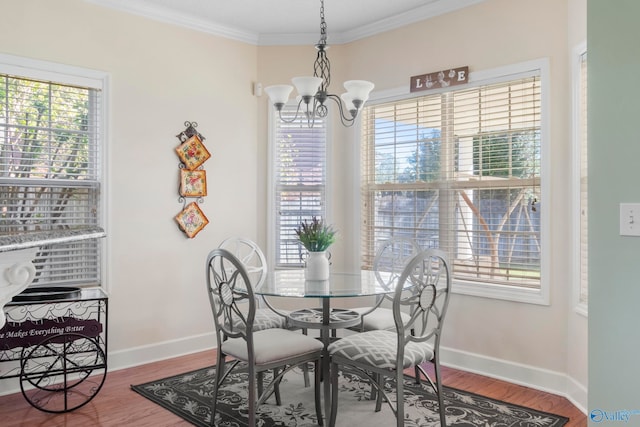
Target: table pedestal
[(326, 320)]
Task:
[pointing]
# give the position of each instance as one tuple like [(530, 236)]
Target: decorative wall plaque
[(192, 220), (193, 153), (439, 79), (193, 180), (193, 183)]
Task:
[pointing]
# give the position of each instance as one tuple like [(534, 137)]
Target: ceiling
[(290, 22)]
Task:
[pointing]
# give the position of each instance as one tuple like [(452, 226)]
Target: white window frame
[(271, 193), (78, 76), (540, 296), (579, 306)]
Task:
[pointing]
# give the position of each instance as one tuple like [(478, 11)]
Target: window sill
[(582, 309), (16, 241), (507, 293)]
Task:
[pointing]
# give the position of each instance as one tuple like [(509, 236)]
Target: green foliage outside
[(44, 135)]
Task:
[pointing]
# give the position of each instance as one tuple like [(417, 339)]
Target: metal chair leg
[(276, 387), (251, 397), (399, 399), (334, 396), (220, 366), (379, 396), (305, 367), (316, 392), (260, 376), (438, 378)]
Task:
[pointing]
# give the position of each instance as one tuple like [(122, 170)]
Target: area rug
[(189, 396)]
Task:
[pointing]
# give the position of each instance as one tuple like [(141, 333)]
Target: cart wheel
[(63, 372)]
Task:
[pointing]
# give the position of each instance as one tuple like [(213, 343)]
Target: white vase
[(317, 266)]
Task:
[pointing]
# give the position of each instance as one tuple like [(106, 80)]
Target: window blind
[(458, 170), (49, 174), (300, 181), (582, 102)]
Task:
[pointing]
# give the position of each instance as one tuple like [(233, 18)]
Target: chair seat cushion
[(379, 349), (379, 319), (272, 345)]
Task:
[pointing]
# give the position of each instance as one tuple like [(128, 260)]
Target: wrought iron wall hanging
[(193, 180)]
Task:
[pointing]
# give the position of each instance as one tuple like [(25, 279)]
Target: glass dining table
[(292, 284)]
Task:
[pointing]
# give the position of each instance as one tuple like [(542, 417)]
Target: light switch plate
[(630, 219)]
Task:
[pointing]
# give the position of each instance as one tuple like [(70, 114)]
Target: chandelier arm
[(346, 121), (294, 117), (311, 118)]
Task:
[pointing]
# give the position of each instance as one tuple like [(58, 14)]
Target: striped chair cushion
[(265, 319), (378, 349), (379, 319)]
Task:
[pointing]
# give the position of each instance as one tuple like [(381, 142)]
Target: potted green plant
[(316, 236)]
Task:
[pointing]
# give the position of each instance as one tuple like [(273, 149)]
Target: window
[(50, 171), (460, 170), (300, 171), (580, 179)]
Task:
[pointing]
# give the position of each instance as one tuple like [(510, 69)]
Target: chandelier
[(313, 91)]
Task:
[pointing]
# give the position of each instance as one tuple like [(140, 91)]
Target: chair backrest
[(251, 256), (423, 291), (392, 257), (228, 285)]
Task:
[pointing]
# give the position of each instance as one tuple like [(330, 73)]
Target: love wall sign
[(440, 79)]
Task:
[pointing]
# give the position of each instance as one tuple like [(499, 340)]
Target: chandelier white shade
[(279, 94), (313, 90), (307, 86)]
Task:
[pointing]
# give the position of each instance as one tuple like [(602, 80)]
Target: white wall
[(162, 75)]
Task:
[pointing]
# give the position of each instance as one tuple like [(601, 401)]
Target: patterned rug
[(189, 396)]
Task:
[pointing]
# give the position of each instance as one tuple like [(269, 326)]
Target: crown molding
[(176, 17), (422, 13), (293, 39)]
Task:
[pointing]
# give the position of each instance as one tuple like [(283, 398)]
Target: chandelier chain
[(323, 26)]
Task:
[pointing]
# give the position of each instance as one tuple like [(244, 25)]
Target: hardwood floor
[(117, 405)]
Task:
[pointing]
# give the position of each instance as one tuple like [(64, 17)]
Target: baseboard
[(578, 394), (136, 356), (517, 373)]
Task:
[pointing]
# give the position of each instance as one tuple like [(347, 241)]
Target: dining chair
[(276, 349), (422, 292), (388, 264), (255, 264)]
